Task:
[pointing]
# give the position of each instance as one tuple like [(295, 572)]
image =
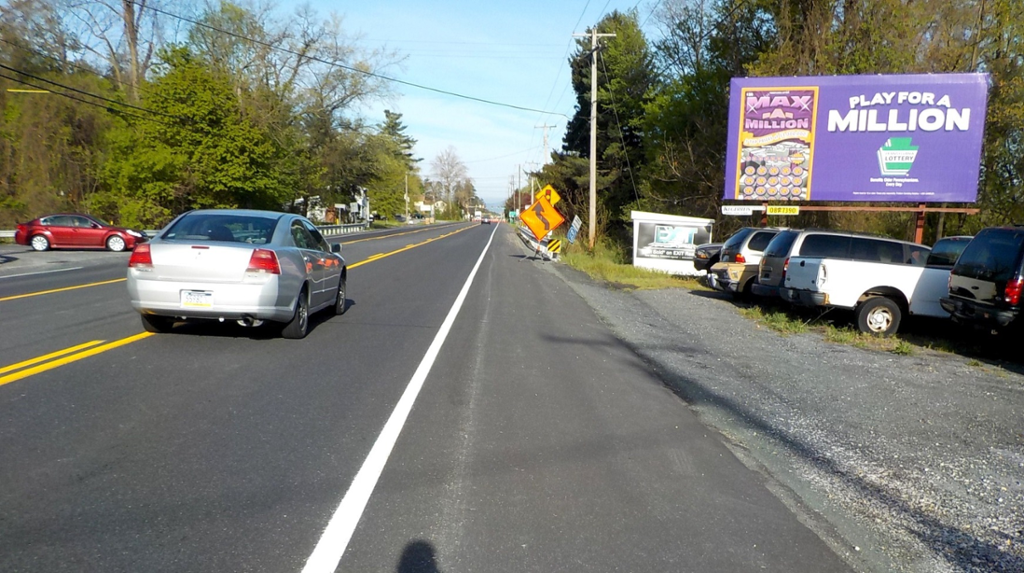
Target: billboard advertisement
[(667, 242), (904, 138)]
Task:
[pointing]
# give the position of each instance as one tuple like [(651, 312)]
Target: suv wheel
[(879, 315)]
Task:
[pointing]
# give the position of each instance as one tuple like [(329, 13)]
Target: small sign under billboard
[(737, 209), (667, 242), (904, 138), (783, 210)]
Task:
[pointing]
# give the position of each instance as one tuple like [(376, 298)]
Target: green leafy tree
[(198, 150), (625, 81)]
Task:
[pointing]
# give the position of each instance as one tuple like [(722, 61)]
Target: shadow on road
[(418, 557), (266, 331)]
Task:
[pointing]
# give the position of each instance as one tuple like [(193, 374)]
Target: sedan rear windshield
[(994, 255), (250, 229)]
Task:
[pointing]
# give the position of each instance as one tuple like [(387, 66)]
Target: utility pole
[(407, 197), (593, 130), (545, 127)]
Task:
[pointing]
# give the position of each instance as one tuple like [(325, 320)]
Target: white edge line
[(41, 273), (328, 551)]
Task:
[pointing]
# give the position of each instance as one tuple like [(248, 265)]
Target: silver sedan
[(233, 264)]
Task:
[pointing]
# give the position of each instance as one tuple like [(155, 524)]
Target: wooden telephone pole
[(592, 226)]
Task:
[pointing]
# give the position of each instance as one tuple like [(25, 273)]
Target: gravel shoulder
[(908, 463)]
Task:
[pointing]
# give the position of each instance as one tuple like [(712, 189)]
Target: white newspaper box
[(667, 242)]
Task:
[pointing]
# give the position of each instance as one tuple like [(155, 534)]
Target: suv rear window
[(825, 246), (994, 255), (760, 240), (737, 239), (946, 251), (779, 246)]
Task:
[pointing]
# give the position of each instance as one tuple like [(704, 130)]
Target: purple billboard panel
[(912, 138)]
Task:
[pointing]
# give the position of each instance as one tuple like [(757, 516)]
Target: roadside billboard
[(909, 138), (667, 242)]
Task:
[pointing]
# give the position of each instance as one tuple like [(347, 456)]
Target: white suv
[(879, 279)]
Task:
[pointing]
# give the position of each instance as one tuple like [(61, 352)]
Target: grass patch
[(791, 321), (778, 321), (614, 265), (840, 335)]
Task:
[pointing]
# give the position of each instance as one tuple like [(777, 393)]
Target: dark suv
[(985, 284)]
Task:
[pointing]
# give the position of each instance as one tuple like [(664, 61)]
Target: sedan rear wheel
[(299, 324), (40, 243), (115, 243), (157, 324), (339, 302)]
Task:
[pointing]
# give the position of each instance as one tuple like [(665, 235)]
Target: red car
[(75, 231)]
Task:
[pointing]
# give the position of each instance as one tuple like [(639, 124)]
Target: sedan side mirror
[(336, 248)]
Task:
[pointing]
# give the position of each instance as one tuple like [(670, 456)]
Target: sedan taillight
[(141, 259), (1013, 290), (264, 261)]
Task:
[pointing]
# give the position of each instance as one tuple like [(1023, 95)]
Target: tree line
[(663, 104), (138, 110)]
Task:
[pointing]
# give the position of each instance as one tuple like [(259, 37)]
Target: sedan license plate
[(196, 298)]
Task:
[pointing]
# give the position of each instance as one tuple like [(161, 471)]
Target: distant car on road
[(241, 265), (75, 231)]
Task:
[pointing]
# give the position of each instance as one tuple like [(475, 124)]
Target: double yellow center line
[(16, 372), (62, 357)]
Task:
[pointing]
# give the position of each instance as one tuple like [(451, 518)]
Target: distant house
[(428, 207)]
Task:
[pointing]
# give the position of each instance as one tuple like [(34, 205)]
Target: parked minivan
[(771, 272), (736, 271), (986, 283)]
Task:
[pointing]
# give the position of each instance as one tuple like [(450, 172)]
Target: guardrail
[(327, 230), (539, 247), (335, 230)]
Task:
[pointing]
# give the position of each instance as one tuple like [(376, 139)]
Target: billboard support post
[(919, 230)]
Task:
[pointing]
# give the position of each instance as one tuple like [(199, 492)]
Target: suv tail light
[(264, 261), (1013, 290), (740, 258), (785, 267), (141, 258)]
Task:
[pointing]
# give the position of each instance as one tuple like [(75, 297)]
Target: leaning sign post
[(541, 218), (914, 138)]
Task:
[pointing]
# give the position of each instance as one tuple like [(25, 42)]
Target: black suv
[(985, 284)]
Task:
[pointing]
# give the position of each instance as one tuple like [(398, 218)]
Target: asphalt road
[(469, 412)]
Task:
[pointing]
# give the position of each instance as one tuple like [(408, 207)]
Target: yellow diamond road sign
[(549, 193), (541, 218)]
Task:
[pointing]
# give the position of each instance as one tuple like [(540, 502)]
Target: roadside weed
[(611, 265)]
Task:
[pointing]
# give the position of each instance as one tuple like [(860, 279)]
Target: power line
[(342, 66), (622, 136), (649, 14), (85, 69), (76, 90), (80, 100)]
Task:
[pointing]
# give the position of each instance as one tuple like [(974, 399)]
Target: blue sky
[(511, 52)]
